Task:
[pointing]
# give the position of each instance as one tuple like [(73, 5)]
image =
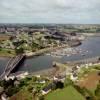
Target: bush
[(19, 51), (11, 90), (68, 82), (41, 97), (97, 91)]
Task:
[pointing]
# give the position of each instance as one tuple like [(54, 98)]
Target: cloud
[(49, 11)]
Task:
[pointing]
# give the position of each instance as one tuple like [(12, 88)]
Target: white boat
[(68, 55), (57, 56)]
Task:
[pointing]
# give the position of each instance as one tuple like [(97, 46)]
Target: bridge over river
[(11, 65)]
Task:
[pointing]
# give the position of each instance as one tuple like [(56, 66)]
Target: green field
[(22, 95), (7, 52), (68, 93)]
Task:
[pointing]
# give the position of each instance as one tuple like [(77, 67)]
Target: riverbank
[(4, 53), (50, 71), (90, 34), (87, 60), (56, 69), (11, 53), (42, 51)]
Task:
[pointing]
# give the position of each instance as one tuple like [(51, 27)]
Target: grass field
[(22, 95), (90, 81), (68, 93), (7, 53)]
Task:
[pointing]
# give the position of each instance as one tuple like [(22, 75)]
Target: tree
[(19, 51), (97, 91), (59, 85), (11, 90), (68, 82), (30, 88), (9, 51), (0, 49), (4, 84), (41, 97)]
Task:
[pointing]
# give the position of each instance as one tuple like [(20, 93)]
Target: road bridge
[(11, 65)]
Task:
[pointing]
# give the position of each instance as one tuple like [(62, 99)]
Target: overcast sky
[(50, 11)]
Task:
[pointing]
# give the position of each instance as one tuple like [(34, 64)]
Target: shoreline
[(31, 54), (8, 55), (90, 60), (42, 72), (36, 53), (41, 51)]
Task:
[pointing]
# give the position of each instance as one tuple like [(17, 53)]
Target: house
[(59, 78), (18, 75), (10, 77), (22, 75), (4, 97), (41, 81), (48, 88), (38, 76), (16, 83), (74, 77)]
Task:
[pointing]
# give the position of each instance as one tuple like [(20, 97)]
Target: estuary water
[(33, 64)]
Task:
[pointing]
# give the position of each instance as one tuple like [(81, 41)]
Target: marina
[(66, 52)]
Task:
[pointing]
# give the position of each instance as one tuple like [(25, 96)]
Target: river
[(91, 44)]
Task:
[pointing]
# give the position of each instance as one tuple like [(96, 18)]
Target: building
[(59, 78), (4, 97), (48, 88), (74, 77), (18, 75)]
